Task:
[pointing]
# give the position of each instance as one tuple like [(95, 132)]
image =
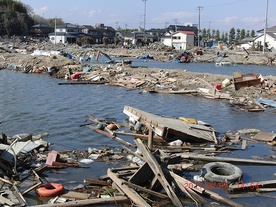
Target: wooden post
[(150, 139)]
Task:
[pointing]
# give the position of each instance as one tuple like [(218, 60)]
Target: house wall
[(167, 40), (62, 39), (56, 39), (183, 42), (270, 40)]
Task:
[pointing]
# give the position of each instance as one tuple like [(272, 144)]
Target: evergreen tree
[(238, 35), (253, 33), (204, 34), (226, 38), (222, 37), (242, 34), (231, 35), (217, 35), (209, 34), (247, 33)]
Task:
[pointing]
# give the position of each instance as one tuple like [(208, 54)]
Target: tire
[(221, 172)]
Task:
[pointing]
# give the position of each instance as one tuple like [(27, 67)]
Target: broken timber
[(203, 191), (115, 200), (170, 127), (111, 136), (130, 193), (157, 170), (224, 159), (252, 185)]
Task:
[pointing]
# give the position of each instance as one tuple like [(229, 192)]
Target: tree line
[(233, 36), (17, 18)]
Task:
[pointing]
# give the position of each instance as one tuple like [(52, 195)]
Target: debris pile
[(154, 172)]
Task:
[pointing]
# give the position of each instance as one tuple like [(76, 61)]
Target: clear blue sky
[(214, 14)]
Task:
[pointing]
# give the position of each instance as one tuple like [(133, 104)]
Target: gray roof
[(270, 29)]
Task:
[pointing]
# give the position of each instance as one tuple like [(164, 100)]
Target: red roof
[(187, 32)]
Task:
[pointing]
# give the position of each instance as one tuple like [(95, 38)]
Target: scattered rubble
[(67, 63), (151, 172), (151, 169)]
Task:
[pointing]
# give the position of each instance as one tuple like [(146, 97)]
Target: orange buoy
[(50, 190)]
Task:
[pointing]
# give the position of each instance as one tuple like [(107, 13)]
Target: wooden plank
[(225, 159), (252, 185), (141, 136), (96, 182), (265, 136), (114, 200), (159, 195), (243, 145), (76, 195), (221, 199), (131, 194), (155, 167), (177, 92), (261, 190), (212, 195), (111, 136), (186, 183), (4, 201), (188, 189), (150, 139)]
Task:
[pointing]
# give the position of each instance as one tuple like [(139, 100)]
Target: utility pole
[(198, 32), (175, 23), (55, 30), (145, 11), (266, 12)]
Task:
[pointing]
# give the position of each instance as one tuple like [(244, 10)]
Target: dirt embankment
[(145, 79)]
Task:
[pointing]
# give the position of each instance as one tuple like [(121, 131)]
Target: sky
[(211, 14)]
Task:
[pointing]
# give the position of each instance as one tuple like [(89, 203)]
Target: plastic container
[(225, 83)]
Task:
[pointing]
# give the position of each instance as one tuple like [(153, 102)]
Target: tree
[(217, 35), (14, 18), (231, 35), (40, 20), (252, 33), (213, 33), (238, 35), (105, 41), (55, 21), (242, 34), (204, 34), (209, 34), (247, 33), (116, 40)]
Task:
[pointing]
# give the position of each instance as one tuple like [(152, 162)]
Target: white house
[(137, 38), (270, 38), (180, 40), (66, 33)]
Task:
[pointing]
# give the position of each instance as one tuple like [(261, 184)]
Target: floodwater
[(35, 103)]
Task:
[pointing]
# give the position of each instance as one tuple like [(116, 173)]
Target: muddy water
[(32, 103)]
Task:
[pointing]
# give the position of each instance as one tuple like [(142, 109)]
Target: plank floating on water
[(82, 82)]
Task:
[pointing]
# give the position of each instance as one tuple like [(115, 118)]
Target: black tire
[(221, 172)]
